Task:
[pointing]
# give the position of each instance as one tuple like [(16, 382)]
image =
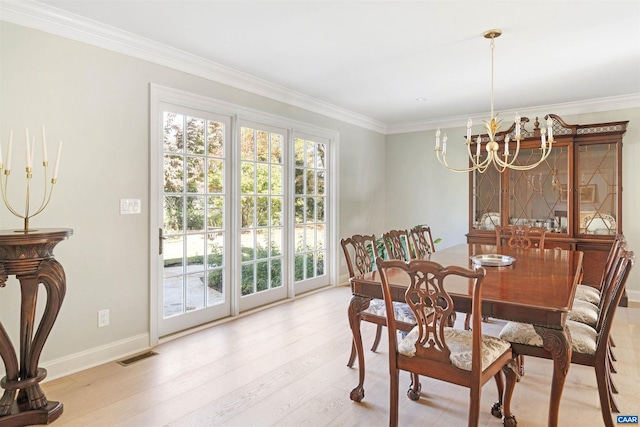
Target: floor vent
[(139, 357)]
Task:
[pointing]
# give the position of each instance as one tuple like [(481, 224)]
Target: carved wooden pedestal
[(29, 256)]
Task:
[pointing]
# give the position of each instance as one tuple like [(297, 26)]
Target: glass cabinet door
[(597, 188), (486, 199), (539, 197)]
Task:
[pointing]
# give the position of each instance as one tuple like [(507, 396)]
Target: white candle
[(444, 144), (55, 168), (543, 132), (9, 152), (550, 128), (44, 147), (469, 124), (28, 144), (517, 121), (506, 145), (478, 148), (438, 138)]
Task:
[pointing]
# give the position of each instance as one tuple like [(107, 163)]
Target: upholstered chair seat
[(587, 293), (584, 312), (401, 311), (459, 342), (583, 337)]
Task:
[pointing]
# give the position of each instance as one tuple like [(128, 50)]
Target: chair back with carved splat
[(398, 245), (422, 241), (432, 348)]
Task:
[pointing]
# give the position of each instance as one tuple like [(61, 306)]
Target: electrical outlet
[(103, 318)]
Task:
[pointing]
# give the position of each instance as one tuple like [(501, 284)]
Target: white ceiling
[(375, 58)]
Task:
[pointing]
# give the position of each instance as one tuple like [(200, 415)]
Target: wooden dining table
[(537, 288)]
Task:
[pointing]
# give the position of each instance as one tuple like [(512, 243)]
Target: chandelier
[(500, 161)]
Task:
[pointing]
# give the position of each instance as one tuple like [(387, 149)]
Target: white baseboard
[(96, 356), (633, 295)]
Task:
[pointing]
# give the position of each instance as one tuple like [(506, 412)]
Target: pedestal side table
[(29, 256)]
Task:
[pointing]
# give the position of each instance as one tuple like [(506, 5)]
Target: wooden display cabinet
[(576, 193)]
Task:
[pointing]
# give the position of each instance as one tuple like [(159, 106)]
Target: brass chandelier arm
[(545, 153)]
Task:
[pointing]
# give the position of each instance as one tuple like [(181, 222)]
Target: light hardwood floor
[(286, 366)]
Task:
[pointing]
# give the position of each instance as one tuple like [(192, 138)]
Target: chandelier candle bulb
[(506, 145), (478, 148), (550, 128), (444, 144), (438, 139), (469, 124)]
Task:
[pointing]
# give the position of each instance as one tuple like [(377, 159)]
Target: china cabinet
[(576, 193)]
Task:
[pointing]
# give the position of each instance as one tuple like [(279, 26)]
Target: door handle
[(161, 239)]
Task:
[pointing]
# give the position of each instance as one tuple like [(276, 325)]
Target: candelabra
[(48, 185)]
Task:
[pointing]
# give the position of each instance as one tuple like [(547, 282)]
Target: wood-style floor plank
[(286, 366)]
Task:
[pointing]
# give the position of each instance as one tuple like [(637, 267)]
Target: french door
[(310, 201), (195, 234), (238, 211), (262, 213)]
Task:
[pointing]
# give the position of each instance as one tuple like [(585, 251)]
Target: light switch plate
[(129, 206)]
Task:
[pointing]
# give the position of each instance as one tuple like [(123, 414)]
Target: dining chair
[(397, 244), (589, 345), (422, 241), (463, 357), (591, 292), (589, 313), (521, 236), (360, 252)]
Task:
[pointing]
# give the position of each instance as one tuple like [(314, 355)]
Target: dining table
[(534, 286)]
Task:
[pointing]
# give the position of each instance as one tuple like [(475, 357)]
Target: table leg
[(558, 343), (356, 306)]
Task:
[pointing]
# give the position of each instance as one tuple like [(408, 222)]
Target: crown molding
[(51, 20), (569, 108)]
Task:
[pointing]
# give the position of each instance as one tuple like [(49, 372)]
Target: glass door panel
[(597, 189), (195, 239), (486, 199), (261, 215), (538, 197), (310, 251)]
